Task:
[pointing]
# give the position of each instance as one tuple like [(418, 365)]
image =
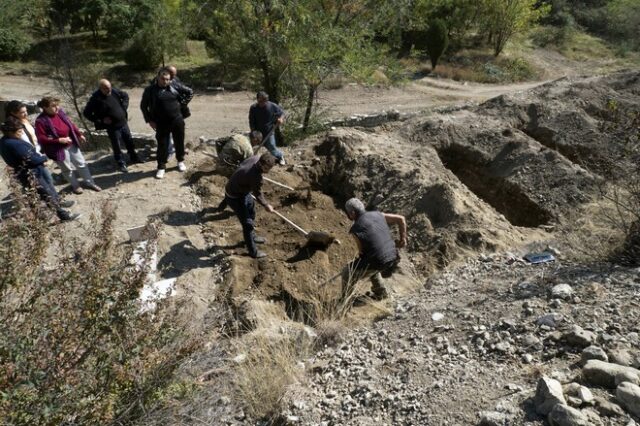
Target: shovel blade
[(320, 239)]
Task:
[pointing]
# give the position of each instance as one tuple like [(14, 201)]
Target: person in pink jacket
[(60, 139)]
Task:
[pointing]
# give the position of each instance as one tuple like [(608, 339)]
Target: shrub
[(74, 347), (143, 52), (437, 41), (622, 188), (13, 43)]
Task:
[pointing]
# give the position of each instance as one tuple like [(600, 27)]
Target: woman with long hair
[(28, 168), (18, 110), (60, 139)]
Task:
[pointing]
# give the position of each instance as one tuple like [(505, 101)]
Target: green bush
[(13, 43), (437, 41), (143, 52), (74, 346)]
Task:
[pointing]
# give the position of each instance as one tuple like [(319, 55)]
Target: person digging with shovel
[(244, 182), (377, 252)]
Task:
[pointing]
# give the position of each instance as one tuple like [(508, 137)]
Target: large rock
[(621, 356), (594, 352), (548, 394), (600, 373), (579, 337), (629, 396), (608, 408), (563, 415)]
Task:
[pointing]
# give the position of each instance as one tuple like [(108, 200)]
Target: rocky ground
[(471, 333)]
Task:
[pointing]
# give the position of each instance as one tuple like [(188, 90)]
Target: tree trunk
[(311, 95), (270, 83)]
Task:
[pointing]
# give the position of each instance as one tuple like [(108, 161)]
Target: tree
[(14, 37), (295, 44), (437, 41), (504, 18), (160, 37)]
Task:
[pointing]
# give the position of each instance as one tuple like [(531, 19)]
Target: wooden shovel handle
[(297, 228)]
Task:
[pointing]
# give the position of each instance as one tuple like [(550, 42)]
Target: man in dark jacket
[(377, 252), (107, 109), (265, 116), (27, 166), (161, 107), (247, 180)]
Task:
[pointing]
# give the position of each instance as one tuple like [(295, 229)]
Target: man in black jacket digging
[(245, 181), (107, 109), (162, 105)]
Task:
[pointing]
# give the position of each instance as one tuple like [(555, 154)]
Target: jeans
[(270, 144), (45, 189), (117, 136), (244, 208), (74, 159), (163, 132)]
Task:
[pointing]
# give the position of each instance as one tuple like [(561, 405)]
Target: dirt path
[(215, 115)]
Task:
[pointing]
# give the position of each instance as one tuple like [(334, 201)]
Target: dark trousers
[(175, 129), (244, 208), (117, 136), (45, 189)]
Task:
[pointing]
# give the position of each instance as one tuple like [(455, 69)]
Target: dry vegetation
[(74, 346)]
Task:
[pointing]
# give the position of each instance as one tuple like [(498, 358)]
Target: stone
[(628, 395), (494, 418), (579, 337), (608, 408), (620, 356), (594, 352), (585, 395), (549, 320), (600, 373), (580, 392), (626, 376), (562, 291), (548, 394), (437, 316), (563, 415)]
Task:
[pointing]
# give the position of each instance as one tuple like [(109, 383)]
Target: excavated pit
[(286, 284), (504, 196)]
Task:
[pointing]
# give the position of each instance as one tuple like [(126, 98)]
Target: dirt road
[(215, 115)]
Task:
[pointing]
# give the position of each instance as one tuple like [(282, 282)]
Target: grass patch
[(483, 67), (265, 370)]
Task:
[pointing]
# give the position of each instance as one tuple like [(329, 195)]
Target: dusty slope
[(466, 180)]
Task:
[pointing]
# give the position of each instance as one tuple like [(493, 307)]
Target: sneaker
[(67, 203), (160, 174), (282, 162), (66, 216), (78, 190), (182, 167), (259, 240), (94, 187), (259, 255), (123, 168)]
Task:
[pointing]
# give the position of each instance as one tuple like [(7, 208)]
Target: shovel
[(314, 238)]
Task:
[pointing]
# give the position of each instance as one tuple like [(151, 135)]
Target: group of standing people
[(25, 148)]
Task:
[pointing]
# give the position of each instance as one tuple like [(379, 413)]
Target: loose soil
[(471, 180)]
